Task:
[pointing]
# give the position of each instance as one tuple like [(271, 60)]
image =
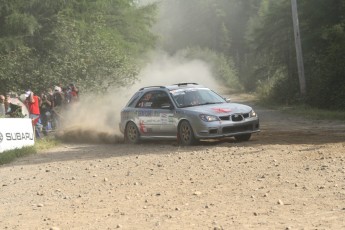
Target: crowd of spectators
[(43, 108)]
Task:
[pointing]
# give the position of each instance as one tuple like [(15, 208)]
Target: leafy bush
[(278, 89)]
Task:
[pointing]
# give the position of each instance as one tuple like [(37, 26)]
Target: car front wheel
[(185, 134), (132, 134), (243, 137)]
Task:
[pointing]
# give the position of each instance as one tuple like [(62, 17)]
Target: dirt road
[(289, 176)]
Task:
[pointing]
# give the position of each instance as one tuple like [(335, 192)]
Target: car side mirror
[(228, 100)]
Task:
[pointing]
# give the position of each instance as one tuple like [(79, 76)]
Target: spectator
[(2, 106), (45, 110), (15, 111), (15, 107), (33, 103), (58, 96), (58, 100), (50, 97), (66, 91), (74, 92), (7, 102)]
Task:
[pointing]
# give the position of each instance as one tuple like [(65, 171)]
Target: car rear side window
[(132, 101), (145, 101)]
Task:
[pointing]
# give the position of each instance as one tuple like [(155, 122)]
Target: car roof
[(184, 85)]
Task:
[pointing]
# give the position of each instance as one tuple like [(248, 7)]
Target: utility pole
[(298, 46)]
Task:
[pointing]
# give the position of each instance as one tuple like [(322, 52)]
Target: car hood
[(220, 109)]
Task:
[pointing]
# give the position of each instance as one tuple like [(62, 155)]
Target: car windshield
[(195, 97)]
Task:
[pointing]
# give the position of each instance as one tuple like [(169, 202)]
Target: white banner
[(15, 133)]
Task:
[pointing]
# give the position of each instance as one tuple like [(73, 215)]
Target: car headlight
[(208, 118), (253, 114)]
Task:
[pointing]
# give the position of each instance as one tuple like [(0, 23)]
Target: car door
[(164, 113), (146, 121), (155, 114)]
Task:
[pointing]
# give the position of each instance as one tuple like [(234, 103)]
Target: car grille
[(234, 117), (239, 128)]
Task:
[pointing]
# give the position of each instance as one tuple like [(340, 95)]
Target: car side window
[(154, 100), (161, 101)]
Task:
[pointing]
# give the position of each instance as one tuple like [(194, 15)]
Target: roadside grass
[(305, 111), (316, 114), (301, 110), (40, 145)]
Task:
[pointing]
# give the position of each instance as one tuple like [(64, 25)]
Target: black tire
[(132, 135), (186, 134), (243, 137)]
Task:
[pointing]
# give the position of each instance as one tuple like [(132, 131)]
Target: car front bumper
[(225, 129)]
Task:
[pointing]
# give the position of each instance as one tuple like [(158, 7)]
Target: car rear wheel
[(185, 134), (132, 134), (243, 137)]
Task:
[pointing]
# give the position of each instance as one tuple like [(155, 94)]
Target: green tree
[(323, 28), (271, 41), (94, 43), (273, 56)]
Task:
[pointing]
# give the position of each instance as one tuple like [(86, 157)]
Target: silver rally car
[(187, 112)]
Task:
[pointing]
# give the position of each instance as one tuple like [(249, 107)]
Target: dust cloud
[(95, 118)]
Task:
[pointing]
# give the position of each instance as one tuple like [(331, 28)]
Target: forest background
[(102, 44)]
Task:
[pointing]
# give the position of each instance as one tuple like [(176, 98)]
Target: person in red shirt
[(74, 92), (33, 103)]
